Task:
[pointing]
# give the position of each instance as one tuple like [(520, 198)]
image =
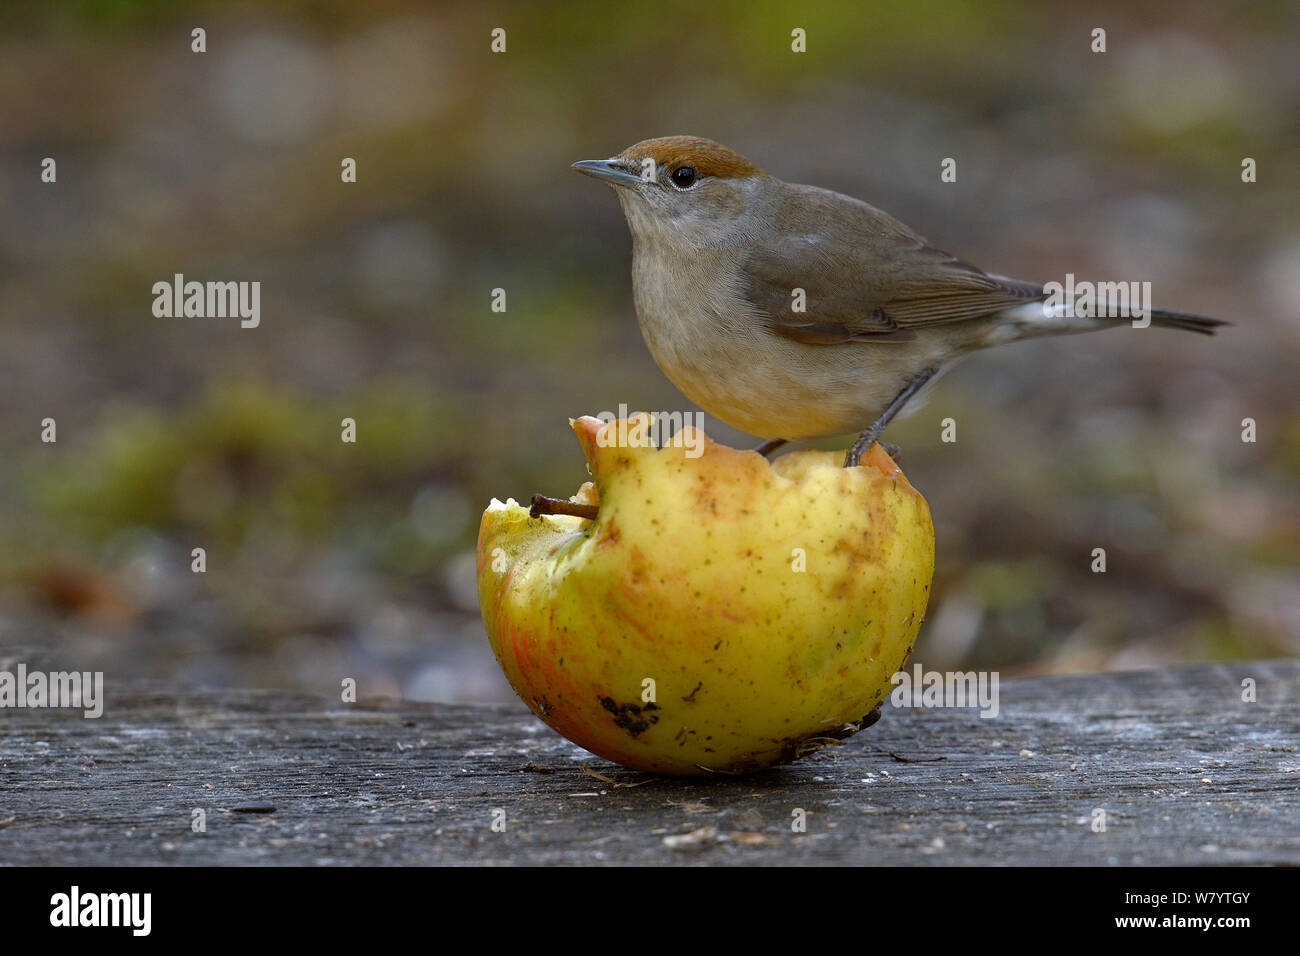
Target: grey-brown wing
[(865, 277)]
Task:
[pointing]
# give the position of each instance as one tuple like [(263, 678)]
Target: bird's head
[(681, 189)]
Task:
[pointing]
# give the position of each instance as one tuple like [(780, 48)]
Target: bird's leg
[(872, 434), (768, 447)]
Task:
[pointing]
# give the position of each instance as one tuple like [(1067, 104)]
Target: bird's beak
[(610, 170)]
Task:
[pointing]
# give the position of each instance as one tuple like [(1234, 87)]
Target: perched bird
[(789, 311)]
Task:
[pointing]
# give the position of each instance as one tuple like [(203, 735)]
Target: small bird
[(790, 311)]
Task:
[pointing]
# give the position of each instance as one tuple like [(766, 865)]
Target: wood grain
[(1186, 772)]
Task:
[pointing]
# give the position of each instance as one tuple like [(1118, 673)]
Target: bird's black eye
[(683, 177)]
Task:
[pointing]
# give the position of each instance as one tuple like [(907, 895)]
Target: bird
[(791, 312)]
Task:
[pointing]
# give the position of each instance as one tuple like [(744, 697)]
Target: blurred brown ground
[(327, 559)]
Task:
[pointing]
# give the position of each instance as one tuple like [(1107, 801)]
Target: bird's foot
[(854, 456), (768, 447)]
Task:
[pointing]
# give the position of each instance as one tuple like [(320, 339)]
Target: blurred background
[(327, 559)]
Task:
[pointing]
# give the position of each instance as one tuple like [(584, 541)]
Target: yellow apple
[(720, 613)]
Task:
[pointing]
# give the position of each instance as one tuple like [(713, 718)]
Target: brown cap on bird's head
[(686, 159), (708, 158)]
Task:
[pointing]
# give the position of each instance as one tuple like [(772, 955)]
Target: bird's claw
[(853, 457)]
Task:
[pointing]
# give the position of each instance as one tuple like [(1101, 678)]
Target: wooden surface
[(1186, 772)]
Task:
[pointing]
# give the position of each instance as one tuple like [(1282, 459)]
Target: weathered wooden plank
[(1186, 772)]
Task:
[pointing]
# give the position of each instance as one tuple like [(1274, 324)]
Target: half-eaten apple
[(703, 611)]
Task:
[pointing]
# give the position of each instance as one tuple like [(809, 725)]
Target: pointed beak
[(612, 171)]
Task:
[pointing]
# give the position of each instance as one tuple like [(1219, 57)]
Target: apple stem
[(543, 505)]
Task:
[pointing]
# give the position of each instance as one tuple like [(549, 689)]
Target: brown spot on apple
[(634, 718)]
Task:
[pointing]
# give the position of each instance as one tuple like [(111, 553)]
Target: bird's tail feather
[(1185, 320)]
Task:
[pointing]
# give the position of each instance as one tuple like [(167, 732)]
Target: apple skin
[(769, 604)]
